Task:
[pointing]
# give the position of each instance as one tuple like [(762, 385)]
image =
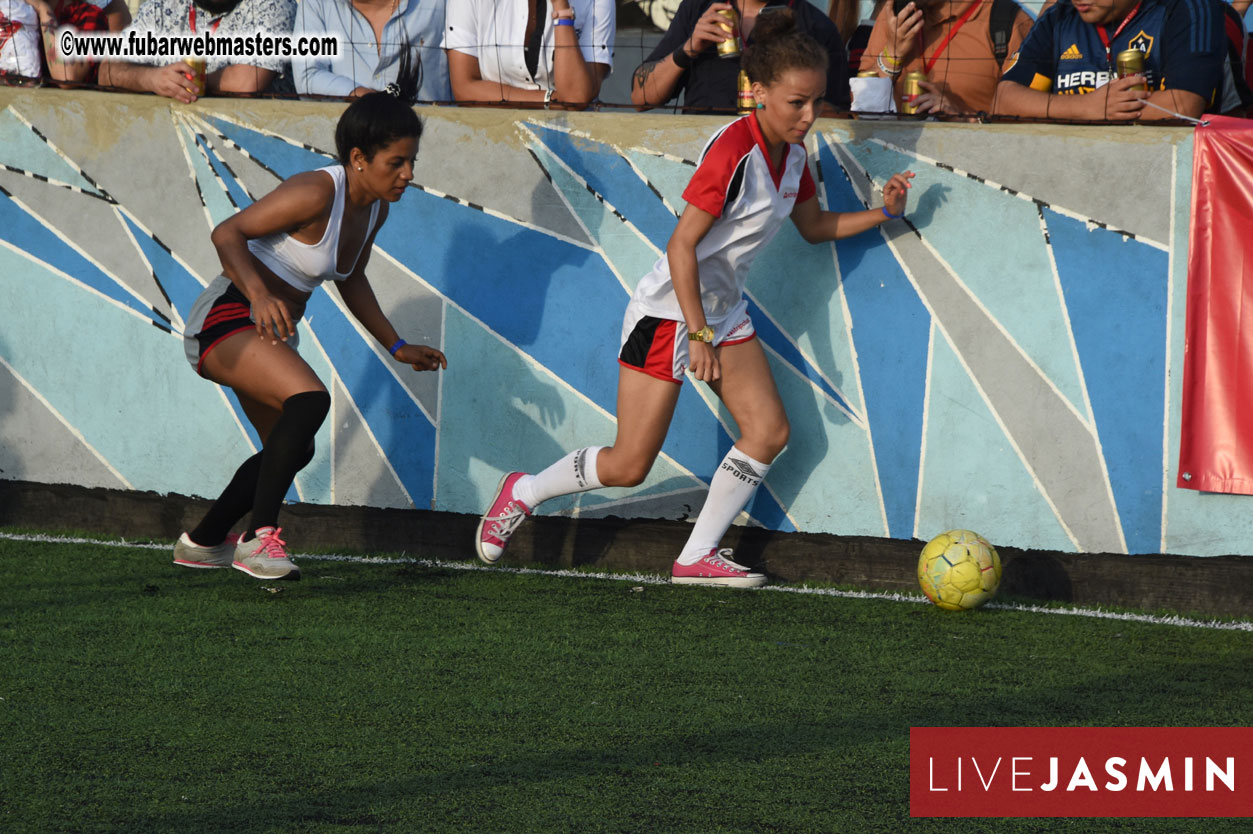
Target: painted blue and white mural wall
[(1006, 361)]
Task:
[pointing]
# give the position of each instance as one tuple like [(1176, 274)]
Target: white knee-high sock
[(576, 472), (731, 489)]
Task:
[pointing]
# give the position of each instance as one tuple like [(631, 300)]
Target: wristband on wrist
[(563, 21), (681, 59), (890, 215), (563, 14), (883, 68), (890, 60), (399, 344)]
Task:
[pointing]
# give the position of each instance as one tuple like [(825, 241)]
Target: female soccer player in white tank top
[(316, 226), (690, 313)]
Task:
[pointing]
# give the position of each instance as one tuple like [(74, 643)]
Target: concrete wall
[(1009, 364)]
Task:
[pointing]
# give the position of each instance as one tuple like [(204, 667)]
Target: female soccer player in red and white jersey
[(690, 312)]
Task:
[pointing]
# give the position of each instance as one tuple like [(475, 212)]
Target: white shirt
[(494, 32), (20, 50), (751, 200)]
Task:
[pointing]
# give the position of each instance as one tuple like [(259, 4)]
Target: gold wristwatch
[(705, 334)]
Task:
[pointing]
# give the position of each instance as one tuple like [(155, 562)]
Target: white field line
[(654, 579)]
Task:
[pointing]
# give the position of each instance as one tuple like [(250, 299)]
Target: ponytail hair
[(778, 46), (375, 120), (408, 73)]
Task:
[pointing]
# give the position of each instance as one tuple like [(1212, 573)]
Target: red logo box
[(1081, 771)]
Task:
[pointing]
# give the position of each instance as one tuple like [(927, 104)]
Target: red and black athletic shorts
[(659, 347), (220, 312)]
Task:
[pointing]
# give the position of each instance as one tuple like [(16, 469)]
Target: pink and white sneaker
[(191, 555), (265, 557), (500, 521), (716, 568)]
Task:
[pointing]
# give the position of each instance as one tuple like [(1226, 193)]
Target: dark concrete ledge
[(1219, 586)]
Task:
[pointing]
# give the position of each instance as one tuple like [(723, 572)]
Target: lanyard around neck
[(191, 20), (1108, 41), (961, 21)]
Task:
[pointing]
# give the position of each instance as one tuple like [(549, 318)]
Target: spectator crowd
[(964, 59)]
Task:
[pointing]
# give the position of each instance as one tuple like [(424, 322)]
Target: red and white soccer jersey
[(736, 183)]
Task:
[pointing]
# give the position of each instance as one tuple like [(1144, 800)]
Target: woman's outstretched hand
[(896, 190), (422, 357)]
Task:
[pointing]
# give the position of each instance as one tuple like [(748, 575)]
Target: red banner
[(1216, 441), (1081, 771)]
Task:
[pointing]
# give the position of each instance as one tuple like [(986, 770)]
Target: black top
[(710, 84), (857, 46)]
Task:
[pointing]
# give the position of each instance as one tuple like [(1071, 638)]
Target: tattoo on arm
[(643, 71)]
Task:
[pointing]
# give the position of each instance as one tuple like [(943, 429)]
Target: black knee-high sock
[(285, 453), (232, 505), (235, 502)]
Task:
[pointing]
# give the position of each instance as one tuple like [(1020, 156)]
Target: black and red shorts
[(220, 312), (659, 347)]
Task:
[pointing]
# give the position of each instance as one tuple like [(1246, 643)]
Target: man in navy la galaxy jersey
[(1066, 66)]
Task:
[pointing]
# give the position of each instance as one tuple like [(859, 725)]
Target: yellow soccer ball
[(959, 570)]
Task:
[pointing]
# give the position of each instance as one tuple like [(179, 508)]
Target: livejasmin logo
[(1021, 768), (1081, 771)]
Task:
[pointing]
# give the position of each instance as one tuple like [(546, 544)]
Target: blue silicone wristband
[(399, 344), (564, 21), (889, 214)]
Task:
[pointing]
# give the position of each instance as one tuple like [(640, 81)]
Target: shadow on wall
[(417, 319), (11, 468), (809, 446), (518, 406), (1037, 574)]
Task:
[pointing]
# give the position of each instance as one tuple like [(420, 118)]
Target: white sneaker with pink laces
[(265, 557), (191, 555), (500, 521), (716, 568)]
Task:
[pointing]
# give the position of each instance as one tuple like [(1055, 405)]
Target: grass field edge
[(809, 588)]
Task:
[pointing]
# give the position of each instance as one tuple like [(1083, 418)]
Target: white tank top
[(306, 265)]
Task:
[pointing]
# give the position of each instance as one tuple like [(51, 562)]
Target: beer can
[(911, 90), (745, 101), (730, 48), (197, 74), (868, 74), (1130, 62)]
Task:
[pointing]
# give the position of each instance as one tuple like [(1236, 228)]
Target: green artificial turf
[(142, 697)]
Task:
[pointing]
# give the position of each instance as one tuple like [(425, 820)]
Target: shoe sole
[(292, 575), (478, 534), (186, 563), (720, 581)]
